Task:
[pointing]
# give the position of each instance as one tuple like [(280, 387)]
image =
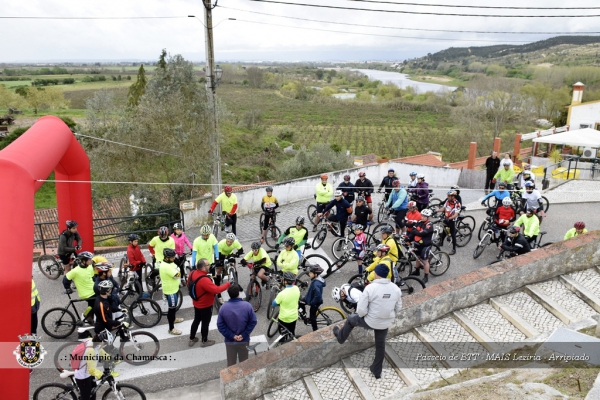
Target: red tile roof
[(422, 159), (480, 161)]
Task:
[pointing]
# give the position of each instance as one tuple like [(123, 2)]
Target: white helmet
[(230, 236), (335, 294), (106, 337), (507, 201), (205, 230), (421, 176), (505, 163), (338, 193)]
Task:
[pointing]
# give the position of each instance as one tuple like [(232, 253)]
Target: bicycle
[(322, 227), (311, 212), (464, 233), (159, 297), (537, 244), (51, 266), (341, 244), (59, 322), (273, 231), (254, 290), (115, 390), (274, 285), (325, 316), (218, 223), (408, 284), (493, 234)]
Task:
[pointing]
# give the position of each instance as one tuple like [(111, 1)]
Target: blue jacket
[(341, 208), (398, 199), (236, 317), (348, 188), (314, 296), (498, 194)]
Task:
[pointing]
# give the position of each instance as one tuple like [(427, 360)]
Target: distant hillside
[(457, 53)]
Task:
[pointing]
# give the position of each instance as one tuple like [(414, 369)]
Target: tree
[(162, 60), (10, 99), (320, 157), (138, 89), (46, 98), (255, 79), (319, 74), (537, 95)]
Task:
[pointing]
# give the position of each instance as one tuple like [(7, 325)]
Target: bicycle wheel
[(328, 316), (491, 202), (463, 235), (381, 214), (272, 235), (404, 267), (215, 230), (49, 267), (158, 296), (479, 250), (145, 313), (130, 292), (485, 225), (217, 304), (468, 221), (254, 294), (315, 259), (358, 278), (261, 221), (547, 244), (54, 391), (273, 293), (545, 203), (59, 323), (62, 356), (125, 391), (273, 254), (273, 325), (141, 349), (122, 274), (311, 212), (319, 238), (340, 246), (439, 262), (303, 282), (348, 308), (411, 285), (232, 275)]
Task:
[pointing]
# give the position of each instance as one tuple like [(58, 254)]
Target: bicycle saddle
[(66, 373), (543, 233)]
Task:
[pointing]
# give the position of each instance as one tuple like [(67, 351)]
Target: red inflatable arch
[(48, 145)]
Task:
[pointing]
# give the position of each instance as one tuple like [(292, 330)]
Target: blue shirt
[(341, 208), (236, 317), (498, 194)]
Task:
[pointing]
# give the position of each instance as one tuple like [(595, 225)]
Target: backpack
[(77, 355), (191, 285)]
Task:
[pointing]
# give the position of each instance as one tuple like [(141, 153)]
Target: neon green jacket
[(573, 232), (531, 226), (504, 175), (324, 193)]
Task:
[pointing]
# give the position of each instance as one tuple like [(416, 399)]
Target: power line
[(408, 29), (29, 17), (424, 13), (464, 6), (127, 145), (380, 35)]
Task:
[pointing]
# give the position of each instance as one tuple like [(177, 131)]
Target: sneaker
[(193, 341), (425, 278), (207, 343), (416, 272), (453, 252), (314, 228), (175, 332), (178, 320)]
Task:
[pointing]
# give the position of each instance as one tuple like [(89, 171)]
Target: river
[(401, 80)]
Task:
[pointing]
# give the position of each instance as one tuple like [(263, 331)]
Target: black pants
[(268, 218), (342, 223), (34, 323), (290, 326), (400, 218), (380, 334), (231, 221), (85, 388), (201, 315), (236, 351), (450, 223), (422, 206), (313, 316), (488, 182)]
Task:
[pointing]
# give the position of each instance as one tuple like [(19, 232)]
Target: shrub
[(320, 158)]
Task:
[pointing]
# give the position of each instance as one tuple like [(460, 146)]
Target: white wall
[(585, 114), (196, 210)]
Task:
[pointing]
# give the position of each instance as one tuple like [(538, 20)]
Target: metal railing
[(569, 169), (115, 227)]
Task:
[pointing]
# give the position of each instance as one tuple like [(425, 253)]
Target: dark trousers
[(85, 388), (342, 223), (380, 334), (231, 221), (488, 182), (400, 218), (34, 323), (290, 326), (422, 206), (450, 223), (201, 315), (312, 316), (236, 352)]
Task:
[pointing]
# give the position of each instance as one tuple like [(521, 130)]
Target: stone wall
[(319, 349)]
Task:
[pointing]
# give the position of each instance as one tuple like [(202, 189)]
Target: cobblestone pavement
[(390, 381), (563, 296), (590, 278), (493, 323), (531, 311), (415, 355), (292, 391), (453, 337), (333, 384)]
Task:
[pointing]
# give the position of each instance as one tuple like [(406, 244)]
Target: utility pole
[(213, 133)]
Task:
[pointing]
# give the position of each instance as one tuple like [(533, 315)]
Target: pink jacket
[(180, 243)]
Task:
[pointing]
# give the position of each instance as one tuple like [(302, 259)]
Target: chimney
[(577, 93)]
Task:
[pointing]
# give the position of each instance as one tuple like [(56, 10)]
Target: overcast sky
[(45, 40)]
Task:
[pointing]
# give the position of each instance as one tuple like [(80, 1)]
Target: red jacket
[(205, 288), (135, 257), (507, 214)]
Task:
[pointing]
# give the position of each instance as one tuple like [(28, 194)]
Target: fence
[(568, 169)]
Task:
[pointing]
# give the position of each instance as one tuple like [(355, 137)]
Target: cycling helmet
[(387, 229), (346, 177), (579, 225), (360, 198), (391, 170), (85, 255), (451, 193), (358, 226), (412, 204), (289, 241), (133, 237), (289, 277), (527, 166), (420, 176), (168, 253), (105, 286), (526, 172), (530, 210), (230, 236), (269, 189), (255, 246), (338, 193), (413, 174), (228, 189), (205, 230), (382, 247), (103, 266), (501, 184), (324, 176), (529, 185), (454, 187), (316, 269), (71, 224), (362, 173), (426, 213), (163, 231), (106, 337), (396, 183), (507, 201), (178, 226), (514, 229), (506, 164), (335, 294), (300, 221)]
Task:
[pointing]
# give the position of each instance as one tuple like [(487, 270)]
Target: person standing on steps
[(376, 309), (229, 206), (205, 293), (323, 193), (235, 322), (492, 164)]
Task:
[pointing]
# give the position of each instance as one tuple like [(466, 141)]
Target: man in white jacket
[(376, 309)]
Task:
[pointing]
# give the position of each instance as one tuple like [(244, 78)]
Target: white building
[(583, 115)]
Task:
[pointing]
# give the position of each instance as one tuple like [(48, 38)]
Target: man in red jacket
[(135, 257), (205, 293)]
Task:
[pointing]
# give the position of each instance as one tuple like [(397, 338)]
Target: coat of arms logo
[(30, 352)]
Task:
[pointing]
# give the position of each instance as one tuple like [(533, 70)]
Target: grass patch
[(439, 80), (575, 381), (45, 197), (591, 331)]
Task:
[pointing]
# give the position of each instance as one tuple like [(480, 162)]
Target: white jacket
[(379, 303)]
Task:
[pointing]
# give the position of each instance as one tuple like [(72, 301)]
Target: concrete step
[(357, 366), (588, 278), (528, 309), (296, 390), (333, 383), (493, 323), (556, 290)]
